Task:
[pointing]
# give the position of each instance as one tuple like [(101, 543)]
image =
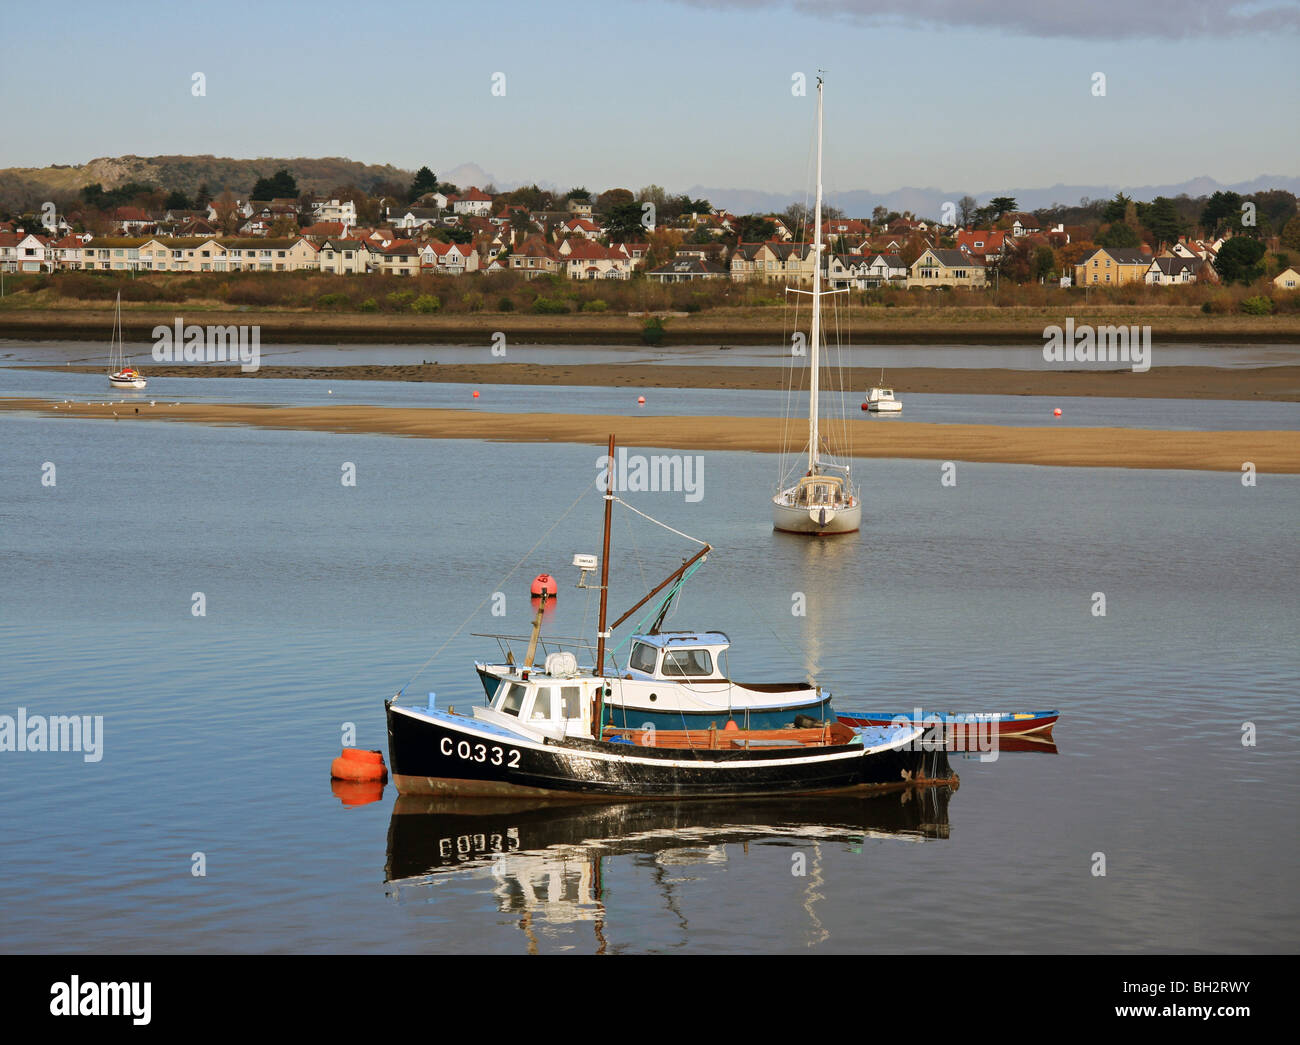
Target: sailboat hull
[(816, 522), (133, 382)]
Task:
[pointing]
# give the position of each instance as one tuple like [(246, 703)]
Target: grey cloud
[(1077, 19)]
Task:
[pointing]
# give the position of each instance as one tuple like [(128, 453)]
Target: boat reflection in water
[(546, 859)]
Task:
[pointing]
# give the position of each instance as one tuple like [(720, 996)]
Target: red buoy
[(476, 393), (356, 764), (641, 400), (1056, 412), (544, 586), (865, 407)]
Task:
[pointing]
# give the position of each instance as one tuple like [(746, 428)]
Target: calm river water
[(321, 599)]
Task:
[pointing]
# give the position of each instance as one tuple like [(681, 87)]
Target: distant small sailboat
[(121, 374), (823, 499)]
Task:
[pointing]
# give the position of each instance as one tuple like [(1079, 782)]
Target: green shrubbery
[(550, 307), (425, 304), (1257, 306), (652, 331)]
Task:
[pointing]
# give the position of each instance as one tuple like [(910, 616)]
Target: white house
[(452, 259), (344, 211), (1166, 272), (861, 271), (473, 202)]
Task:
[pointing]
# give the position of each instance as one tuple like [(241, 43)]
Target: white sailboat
[(823, 499), (121, 374)]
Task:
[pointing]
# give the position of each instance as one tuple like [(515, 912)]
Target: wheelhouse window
[(571, 702), (688, 662), (643, 657), (542, 704), (513, 699)]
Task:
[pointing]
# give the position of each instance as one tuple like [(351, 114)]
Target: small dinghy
[(1006, 724)]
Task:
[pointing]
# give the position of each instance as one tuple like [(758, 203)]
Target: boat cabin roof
[(683, 638)]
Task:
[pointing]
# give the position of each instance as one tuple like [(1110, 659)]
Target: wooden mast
[(597, 705)]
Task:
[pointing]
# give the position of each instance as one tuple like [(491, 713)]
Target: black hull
[(427, 835), (432, 753)]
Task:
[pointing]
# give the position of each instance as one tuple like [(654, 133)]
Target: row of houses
[(31, 253), (1116, 266), (787, 263)]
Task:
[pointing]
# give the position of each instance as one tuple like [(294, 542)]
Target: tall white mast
[(817, 298)]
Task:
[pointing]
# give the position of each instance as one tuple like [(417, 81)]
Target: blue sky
[(929, 92)]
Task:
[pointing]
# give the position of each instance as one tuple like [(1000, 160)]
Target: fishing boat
[(550, 734), (121, 374), (1005, 724), (822, 499)]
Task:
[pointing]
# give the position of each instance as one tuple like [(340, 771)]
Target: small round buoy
[(544, 586), (640, 400), (865, 407), (331, 391), (1056, 412), (476, 393), (356, 764)]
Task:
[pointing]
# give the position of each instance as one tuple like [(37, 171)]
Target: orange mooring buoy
[(544, 585), (1056, 412), (356, 764), (640, 400), (731, 724), (476, 393)]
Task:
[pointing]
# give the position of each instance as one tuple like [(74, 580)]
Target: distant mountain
[(928, 202)]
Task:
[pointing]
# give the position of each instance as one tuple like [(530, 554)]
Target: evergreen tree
[(425, 181)]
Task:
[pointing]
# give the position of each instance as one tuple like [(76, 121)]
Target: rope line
[(652, 519), (500, 585)]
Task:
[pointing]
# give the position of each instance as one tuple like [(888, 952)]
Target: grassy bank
[(293, 307), (735, 326)]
